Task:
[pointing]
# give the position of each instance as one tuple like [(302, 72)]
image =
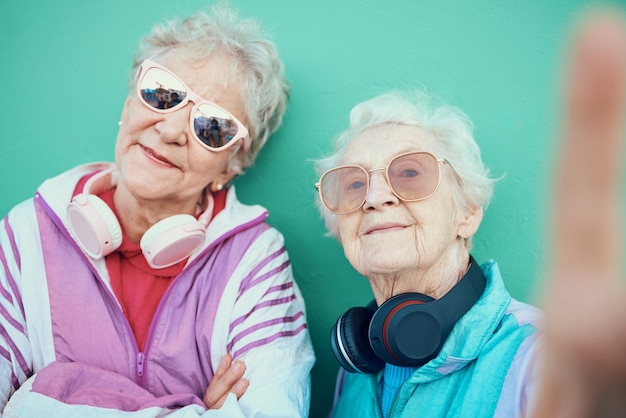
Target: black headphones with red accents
[(407, 330)]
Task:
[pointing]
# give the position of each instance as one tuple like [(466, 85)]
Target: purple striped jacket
[(61, 321)]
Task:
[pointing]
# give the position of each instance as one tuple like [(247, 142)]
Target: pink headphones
[(99, 233)]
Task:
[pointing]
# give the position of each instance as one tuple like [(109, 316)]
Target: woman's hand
[(583, 372), (228, 379)]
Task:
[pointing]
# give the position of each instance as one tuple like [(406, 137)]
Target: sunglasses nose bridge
[(383, 173), (193, 97), (378, 190), (373, 170)]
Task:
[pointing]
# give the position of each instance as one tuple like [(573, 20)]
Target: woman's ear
[(470, 222)]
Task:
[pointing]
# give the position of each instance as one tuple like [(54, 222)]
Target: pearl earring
[(218, 186), (119, 123)]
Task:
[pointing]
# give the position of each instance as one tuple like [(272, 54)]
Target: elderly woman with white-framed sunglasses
[(144, 286), (404, 193)]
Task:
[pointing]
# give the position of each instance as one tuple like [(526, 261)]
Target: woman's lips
[(157, 158), (384, 228)]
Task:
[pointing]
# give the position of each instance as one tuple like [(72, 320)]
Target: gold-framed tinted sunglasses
[(412, 176)]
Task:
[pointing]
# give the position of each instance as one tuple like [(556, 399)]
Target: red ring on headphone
[(390, 317)]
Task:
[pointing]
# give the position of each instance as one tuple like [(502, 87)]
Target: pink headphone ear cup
[(94, 225), (171, 240)]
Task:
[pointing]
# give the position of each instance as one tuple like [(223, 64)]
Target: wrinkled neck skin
[(435, 280), (136, 216)]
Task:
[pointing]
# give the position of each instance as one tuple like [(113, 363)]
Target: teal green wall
[(64, 73)]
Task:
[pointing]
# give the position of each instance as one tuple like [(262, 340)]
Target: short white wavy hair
[(450, 127), (265, 91)]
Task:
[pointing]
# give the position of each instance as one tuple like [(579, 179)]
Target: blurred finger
[(586, 212), (585, 325)]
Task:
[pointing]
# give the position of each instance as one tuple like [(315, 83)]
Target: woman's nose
[(379, 193), (174, 127)]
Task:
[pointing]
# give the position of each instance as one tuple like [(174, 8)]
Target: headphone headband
[(101, 181)]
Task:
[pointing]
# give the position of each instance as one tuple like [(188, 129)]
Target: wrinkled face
[(388, 235), (156, 154)]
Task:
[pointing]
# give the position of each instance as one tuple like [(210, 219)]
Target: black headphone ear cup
[(350, 343), (405, 331)]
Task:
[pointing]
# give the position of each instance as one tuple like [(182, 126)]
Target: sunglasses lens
[(161, 89), (414, 176), (214, 126), (344, 189)]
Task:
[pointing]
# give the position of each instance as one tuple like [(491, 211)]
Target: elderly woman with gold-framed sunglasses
[(144, 286), (404, 192)]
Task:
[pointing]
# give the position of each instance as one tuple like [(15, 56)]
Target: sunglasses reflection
[(162, 97), (213, 131)]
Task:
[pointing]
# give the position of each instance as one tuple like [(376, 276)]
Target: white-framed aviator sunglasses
[(412, 176), (212, 126)]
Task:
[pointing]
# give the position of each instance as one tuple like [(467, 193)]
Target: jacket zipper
[(140, 363)]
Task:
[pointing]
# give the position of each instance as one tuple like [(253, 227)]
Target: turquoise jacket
[(485, 368)]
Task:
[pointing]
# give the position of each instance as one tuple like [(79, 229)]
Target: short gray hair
[(265, 91), (450, 127)]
